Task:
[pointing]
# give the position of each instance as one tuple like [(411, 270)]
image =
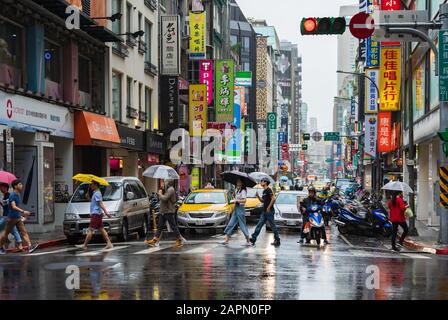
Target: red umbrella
[(6, 177)]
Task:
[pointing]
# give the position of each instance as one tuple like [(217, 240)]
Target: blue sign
[(339, 150), (353, 107), (372, 53), (281, 137), (48, 55)]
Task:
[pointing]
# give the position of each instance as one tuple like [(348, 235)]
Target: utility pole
[(443, 236)]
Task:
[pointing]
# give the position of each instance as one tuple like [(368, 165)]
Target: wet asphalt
[(204, 269)]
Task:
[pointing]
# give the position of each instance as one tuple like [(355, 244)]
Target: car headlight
[(181, 213), (71, 216), (221, 214), (259, 206), (115, 214)]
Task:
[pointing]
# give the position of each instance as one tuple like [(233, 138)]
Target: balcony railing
[(151, 4), (131, 41), (131, 113), (142, 46), (150, 68), (142, 116), (120, 49)]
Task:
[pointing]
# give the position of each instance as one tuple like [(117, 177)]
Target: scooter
[(317, 223)]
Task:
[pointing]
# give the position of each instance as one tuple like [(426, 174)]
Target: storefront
[(40, 153), (94, 136), (126, 160), (155, 150)]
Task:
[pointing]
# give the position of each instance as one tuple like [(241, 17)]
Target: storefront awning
[(95, 130)]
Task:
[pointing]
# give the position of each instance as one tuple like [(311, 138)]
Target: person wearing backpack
[(168, 200), (397, 209)]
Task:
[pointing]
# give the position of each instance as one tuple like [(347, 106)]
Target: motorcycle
[(316, 222)]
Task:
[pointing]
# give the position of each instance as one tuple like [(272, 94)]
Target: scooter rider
[(324, 196), (308, 202)]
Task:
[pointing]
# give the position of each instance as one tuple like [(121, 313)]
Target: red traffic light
[(309, 25)]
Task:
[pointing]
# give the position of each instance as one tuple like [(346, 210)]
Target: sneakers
[(252, 241), (33, 247), (152, 243), (179, 243), (326, 242), (276, 243), (396, 249), (2, 251)]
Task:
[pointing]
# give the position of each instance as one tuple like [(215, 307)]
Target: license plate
[(247, 213), (85, 230), (200, 222), (291, 223)]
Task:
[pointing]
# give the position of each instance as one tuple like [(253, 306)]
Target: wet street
[(204, 269)]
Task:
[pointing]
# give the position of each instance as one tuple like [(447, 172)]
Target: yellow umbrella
[(89, 178)]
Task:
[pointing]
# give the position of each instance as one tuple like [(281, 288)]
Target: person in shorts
[(96, 216)]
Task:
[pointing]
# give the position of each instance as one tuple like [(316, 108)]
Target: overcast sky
[(319, 53)]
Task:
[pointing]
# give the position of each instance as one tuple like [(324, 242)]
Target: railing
[(131, 113), (151, 4), (150, 68), (142, 116), (120, 49), (131, 41), (142, 48)]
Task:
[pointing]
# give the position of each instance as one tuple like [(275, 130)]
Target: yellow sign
[(390, 78), (195, 178), (198, 109), (197, 36)]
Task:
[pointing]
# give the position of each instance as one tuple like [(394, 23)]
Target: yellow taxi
[(253, 206), (206, 209)]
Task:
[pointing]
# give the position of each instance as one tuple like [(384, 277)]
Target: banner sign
[(373, 53), (353, 106), (206, 77), (371, 125), (198, 109), (197, 36), (247, 136), (384, 131), (390, 78), (371, 91), (234, 145), (169, 102), (225, 85), (243, 79), (170, 45)]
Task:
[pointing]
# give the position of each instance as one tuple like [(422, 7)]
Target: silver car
[(126, 200), (286, 211)]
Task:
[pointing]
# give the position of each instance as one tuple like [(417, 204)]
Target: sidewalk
[(45, 240), (426, 241)]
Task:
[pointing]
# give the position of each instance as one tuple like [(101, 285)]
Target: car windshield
[(206, 198), (113, 192), (286, 198), (251, 193)]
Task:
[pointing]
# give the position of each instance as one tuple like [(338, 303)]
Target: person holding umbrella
[(398, 218), (238, 216)]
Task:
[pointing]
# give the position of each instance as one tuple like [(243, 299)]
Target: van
[(125, 199)]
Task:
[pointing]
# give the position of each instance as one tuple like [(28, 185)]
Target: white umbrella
[(398, 186), (257, 176), (161, 172)]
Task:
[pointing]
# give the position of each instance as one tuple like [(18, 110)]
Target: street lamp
[(136, 34), (115, 16)]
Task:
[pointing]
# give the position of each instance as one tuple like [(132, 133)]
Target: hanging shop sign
[(225, 85), (384, 131), (206, 77), (371, 91), (170, 31), (155, 143), (169, 102), (234, 143), (371, 125), (197, 36), (131, 139), (198, 109), (390, 79)]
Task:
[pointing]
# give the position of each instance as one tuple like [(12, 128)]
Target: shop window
[(418, 91), (233, 40), (246, 44), (116, 96), (85, 75), (11, 53)]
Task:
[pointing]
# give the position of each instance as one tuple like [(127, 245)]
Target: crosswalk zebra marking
[(98, 252), (152, 250), (52, 252)]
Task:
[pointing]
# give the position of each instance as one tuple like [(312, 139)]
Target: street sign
[(331, 136), (304, 147), (306, 136), (362, 25), (317, 136), (405, 18), (443, 65), (329, 160), (243, 79)]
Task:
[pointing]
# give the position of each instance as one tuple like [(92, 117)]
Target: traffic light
[(315, 26), (304, 147), (306, 136)]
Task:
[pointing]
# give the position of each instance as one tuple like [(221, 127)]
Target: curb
[(42, 245), (423, 248)]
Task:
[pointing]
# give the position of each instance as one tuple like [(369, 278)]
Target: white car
[(286, 209)]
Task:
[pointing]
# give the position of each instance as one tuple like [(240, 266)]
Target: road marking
[(202, 249), (415, 256), (98, 252), (151, 250), (52, 252), (346, 240)]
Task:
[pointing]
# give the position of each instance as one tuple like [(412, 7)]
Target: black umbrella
[(233, 176)]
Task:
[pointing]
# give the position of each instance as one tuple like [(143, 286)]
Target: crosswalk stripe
[(202, 249), (52, 252), (151, 250), (98, 252)]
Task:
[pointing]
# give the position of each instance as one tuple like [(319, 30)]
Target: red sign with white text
[(390, 5), (206, 77), (384, 131)]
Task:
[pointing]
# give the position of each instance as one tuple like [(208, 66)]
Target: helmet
[(312, 189)]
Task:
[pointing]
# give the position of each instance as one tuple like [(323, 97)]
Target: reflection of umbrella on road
[(161, 172), (233, 176), (89, 178), (6, 177), (257, 176), (398, 186)]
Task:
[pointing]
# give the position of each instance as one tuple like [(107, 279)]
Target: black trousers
[(395, 225), (163, 219)]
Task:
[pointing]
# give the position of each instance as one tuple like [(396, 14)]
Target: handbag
[(306, 229), (408, 213)]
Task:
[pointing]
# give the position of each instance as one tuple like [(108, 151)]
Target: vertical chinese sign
[(198, 109), (170, 59), (371, 91), (384, 131), (234, 143), (371, 123), (271, 132), (197, 36), (169, 102), (206, 77), (390, 79), (224, 92), (372, 45)]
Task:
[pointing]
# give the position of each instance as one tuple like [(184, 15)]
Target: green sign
[(224, 91), (305, 147), (329, 160), (443, 65), (243, 79), (331, 136), (306, 137), (247, 137), (272, 125)]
